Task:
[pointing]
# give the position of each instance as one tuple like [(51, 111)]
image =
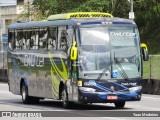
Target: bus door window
[(43, 35), (62, 42), (70, 35), (52, 38)]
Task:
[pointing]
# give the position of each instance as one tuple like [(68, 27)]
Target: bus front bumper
[(108, 97)]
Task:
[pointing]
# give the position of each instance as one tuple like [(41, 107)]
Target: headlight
[(135, 88), (86, 89)]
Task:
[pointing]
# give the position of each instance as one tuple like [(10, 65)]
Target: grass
[(152, 68), (146, 69)]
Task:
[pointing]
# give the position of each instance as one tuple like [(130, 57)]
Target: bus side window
[(18, 38), (24, 40), (62, 41), (52, 38), (27, 39), (11, 39), (43, 35), (34, 39)]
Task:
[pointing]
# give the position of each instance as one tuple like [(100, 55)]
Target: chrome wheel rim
[(23, 93)]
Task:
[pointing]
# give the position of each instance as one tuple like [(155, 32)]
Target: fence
[(151, 68), (3, 66)]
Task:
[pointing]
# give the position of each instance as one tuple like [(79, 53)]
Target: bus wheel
[(24, 92), (119, 104), (64, 97)]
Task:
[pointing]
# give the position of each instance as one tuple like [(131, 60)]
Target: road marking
[(3, 84), (6, 92), (147, 108), (59, 110), (111, 118), (150, 97)]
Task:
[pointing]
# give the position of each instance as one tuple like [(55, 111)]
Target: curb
[(151, 86)]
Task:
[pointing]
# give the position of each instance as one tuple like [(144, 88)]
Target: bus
[(83, 57)]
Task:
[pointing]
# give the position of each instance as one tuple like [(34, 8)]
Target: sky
[(8, 2)]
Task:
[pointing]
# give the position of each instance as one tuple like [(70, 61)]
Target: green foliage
[(94, 6), (44, 8), (121, 8), (147, 19), (147, 13)]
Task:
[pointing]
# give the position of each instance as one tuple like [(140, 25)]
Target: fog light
[(85, 98), (87, 89), (139, 96), (135, 88)]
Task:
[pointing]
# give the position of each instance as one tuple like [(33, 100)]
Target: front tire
[(64, 98), (119, 104)]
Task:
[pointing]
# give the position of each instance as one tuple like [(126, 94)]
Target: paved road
[(11, 102)]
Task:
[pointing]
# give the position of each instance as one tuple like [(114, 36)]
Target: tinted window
[(62, 42), (43, 36), (52, 38)]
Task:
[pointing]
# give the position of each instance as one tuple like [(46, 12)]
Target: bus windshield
[(107, 50)]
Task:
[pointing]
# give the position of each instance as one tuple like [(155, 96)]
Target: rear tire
[(26, 99), (119, 104), (24, 92)]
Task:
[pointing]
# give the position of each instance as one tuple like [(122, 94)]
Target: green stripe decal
[(57, 75)]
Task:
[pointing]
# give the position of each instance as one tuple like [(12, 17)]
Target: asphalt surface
[(148, 104)]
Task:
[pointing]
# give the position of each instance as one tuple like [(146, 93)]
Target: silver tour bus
[(83, 57)]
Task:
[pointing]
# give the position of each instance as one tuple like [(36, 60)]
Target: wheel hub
[(23, 93)]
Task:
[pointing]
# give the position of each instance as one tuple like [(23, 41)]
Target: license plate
[(112, 97)]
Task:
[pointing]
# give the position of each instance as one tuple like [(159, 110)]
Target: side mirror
[(74, 52), (144, 52)]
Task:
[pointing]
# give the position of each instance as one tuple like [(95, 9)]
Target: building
[(9, 11)]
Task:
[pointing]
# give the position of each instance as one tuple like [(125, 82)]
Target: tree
[(147, 19), (43, 8), (147, 13)]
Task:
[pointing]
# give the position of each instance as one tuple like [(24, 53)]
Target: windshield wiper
[(103, 72), (121, 70)]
